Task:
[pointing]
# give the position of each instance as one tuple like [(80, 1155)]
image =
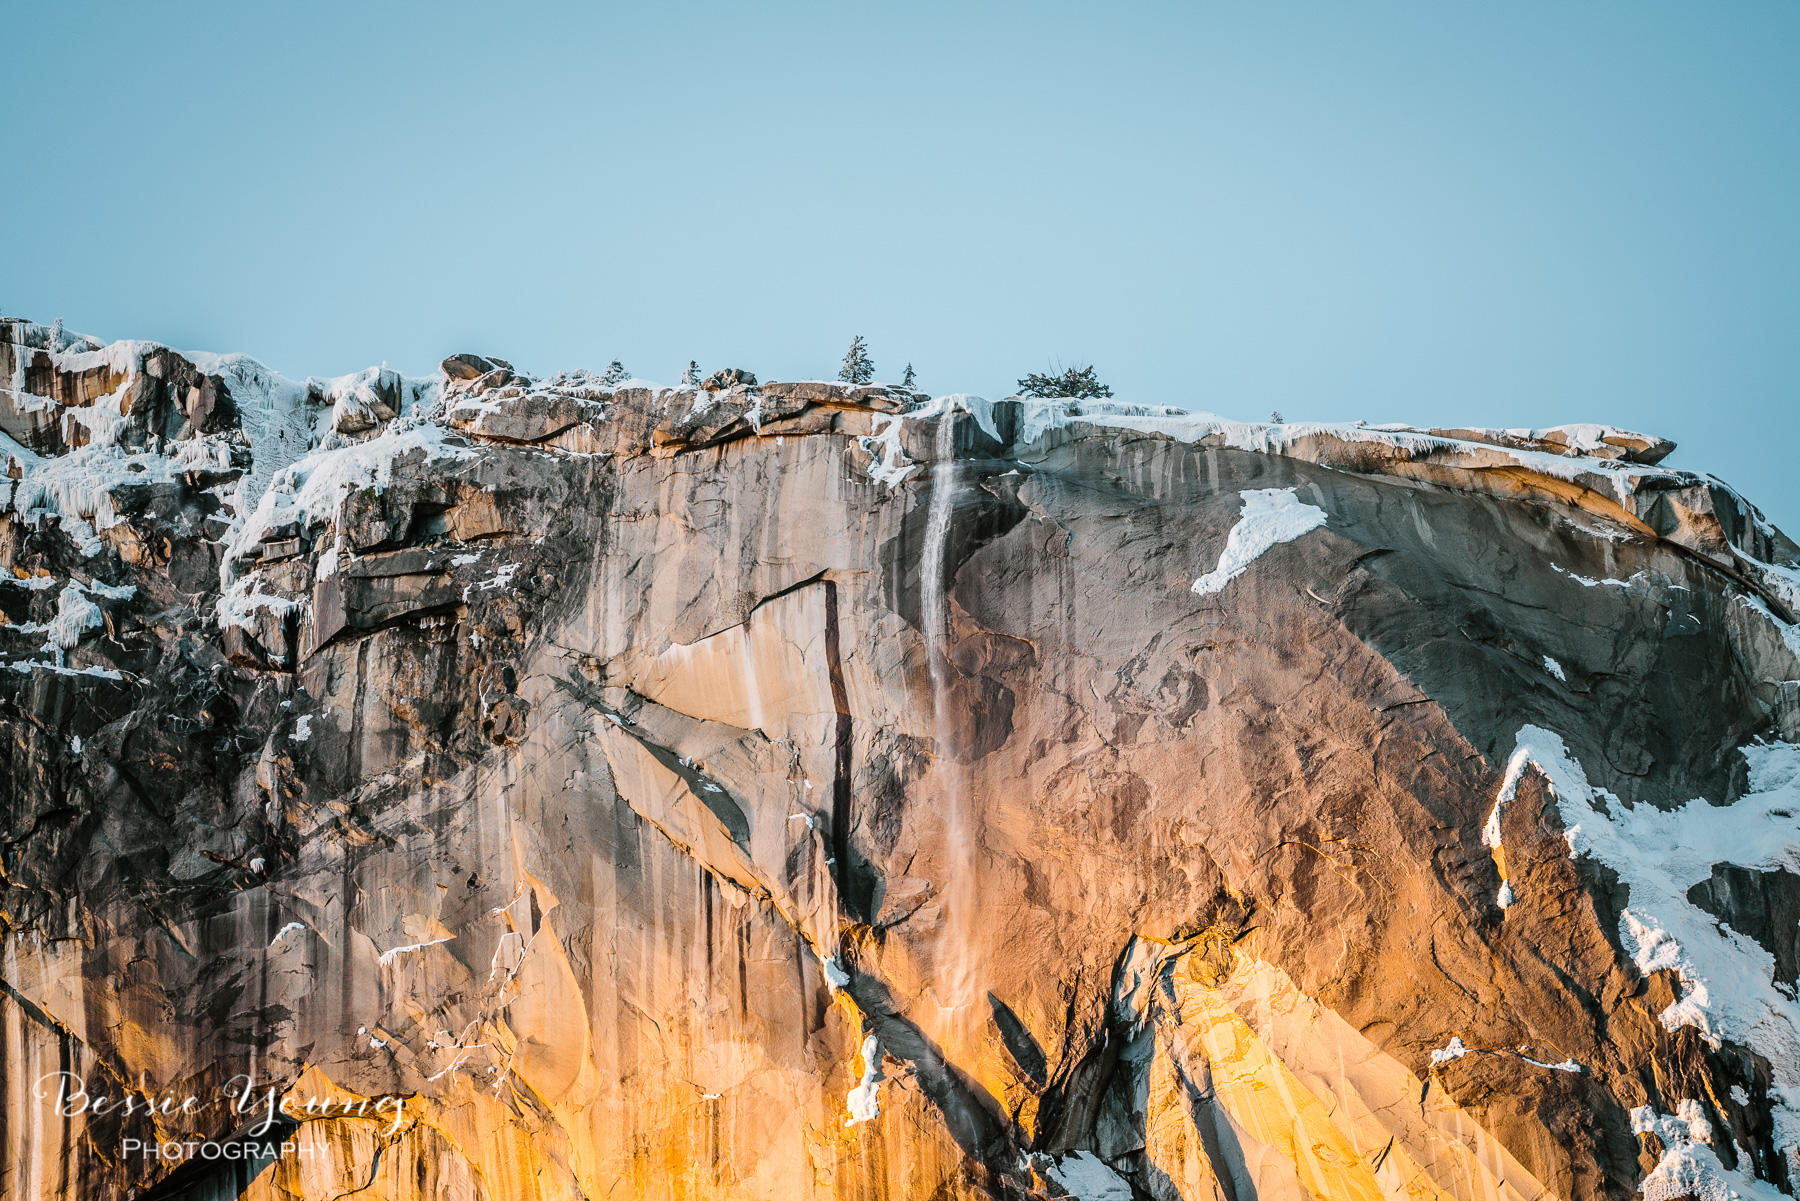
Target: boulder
[(730, 377)]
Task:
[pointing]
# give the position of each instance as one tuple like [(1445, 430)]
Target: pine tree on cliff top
[(906, 381), (691, 377), (1079, 383), (858, 367), (615, 374)]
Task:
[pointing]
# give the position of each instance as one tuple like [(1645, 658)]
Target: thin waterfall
[(957, 968)]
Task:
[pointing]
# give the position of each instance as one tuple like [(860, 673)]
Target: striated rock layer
[(557, 789)]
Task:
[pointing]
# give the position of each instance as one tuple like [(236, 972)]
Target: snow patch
[(286, 930), (276, 418), (1728, 988), (1088, 1178), (309, 492), (865, 1099), (1784, 582), (1455, 1050), (1535, 747), (888, 463), (978, 407), (1789, 634), (99, 673), (1038, 417), (77, 487), (1613, 475), (1587, 582), (1270, 516), (272, 412), (501, 578), (110, 591), (238, 604), (835, 975), (388, 957), (1555, 669), (1689, 1166), (75, 615)]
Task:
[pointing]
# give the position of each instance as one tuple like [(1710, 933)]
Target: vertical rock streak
[(843, 739)]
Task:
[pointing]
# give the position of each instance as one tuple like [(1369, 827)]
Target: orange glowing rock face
[(808, 790)]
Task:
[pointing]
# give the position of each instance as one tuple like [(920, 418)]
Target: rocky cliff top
[(1073, 797)]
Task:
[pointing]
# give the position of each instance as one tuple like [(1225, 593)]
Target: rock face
[(554, 790)]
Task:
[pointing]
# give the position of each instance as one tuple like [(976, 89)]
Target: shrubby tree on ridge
[(1078, 383), (858, 367)]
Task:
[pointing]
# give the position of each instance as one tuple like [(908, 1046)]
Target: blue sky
[(1516, 214)]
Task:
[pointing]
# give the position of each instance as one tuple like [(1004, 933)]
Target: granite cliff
[(564, 789)]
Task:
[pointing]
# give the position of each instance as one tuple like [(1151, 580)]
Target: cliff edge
[(557, 789)]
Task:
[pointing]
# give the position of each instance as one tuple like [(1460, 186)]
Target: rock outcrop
[(498, 787)]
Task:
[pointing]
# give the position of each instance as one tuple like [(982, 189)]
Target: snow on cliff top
[(1574, 451), (310, 490), (281, 419), (284, 421), (1268, 437)]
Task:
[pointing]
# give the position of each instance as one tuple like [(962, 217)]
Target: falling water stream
[(956, 965)]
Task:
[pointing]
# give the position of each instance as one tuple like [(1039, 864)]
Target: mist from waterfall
[(957, 973)]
